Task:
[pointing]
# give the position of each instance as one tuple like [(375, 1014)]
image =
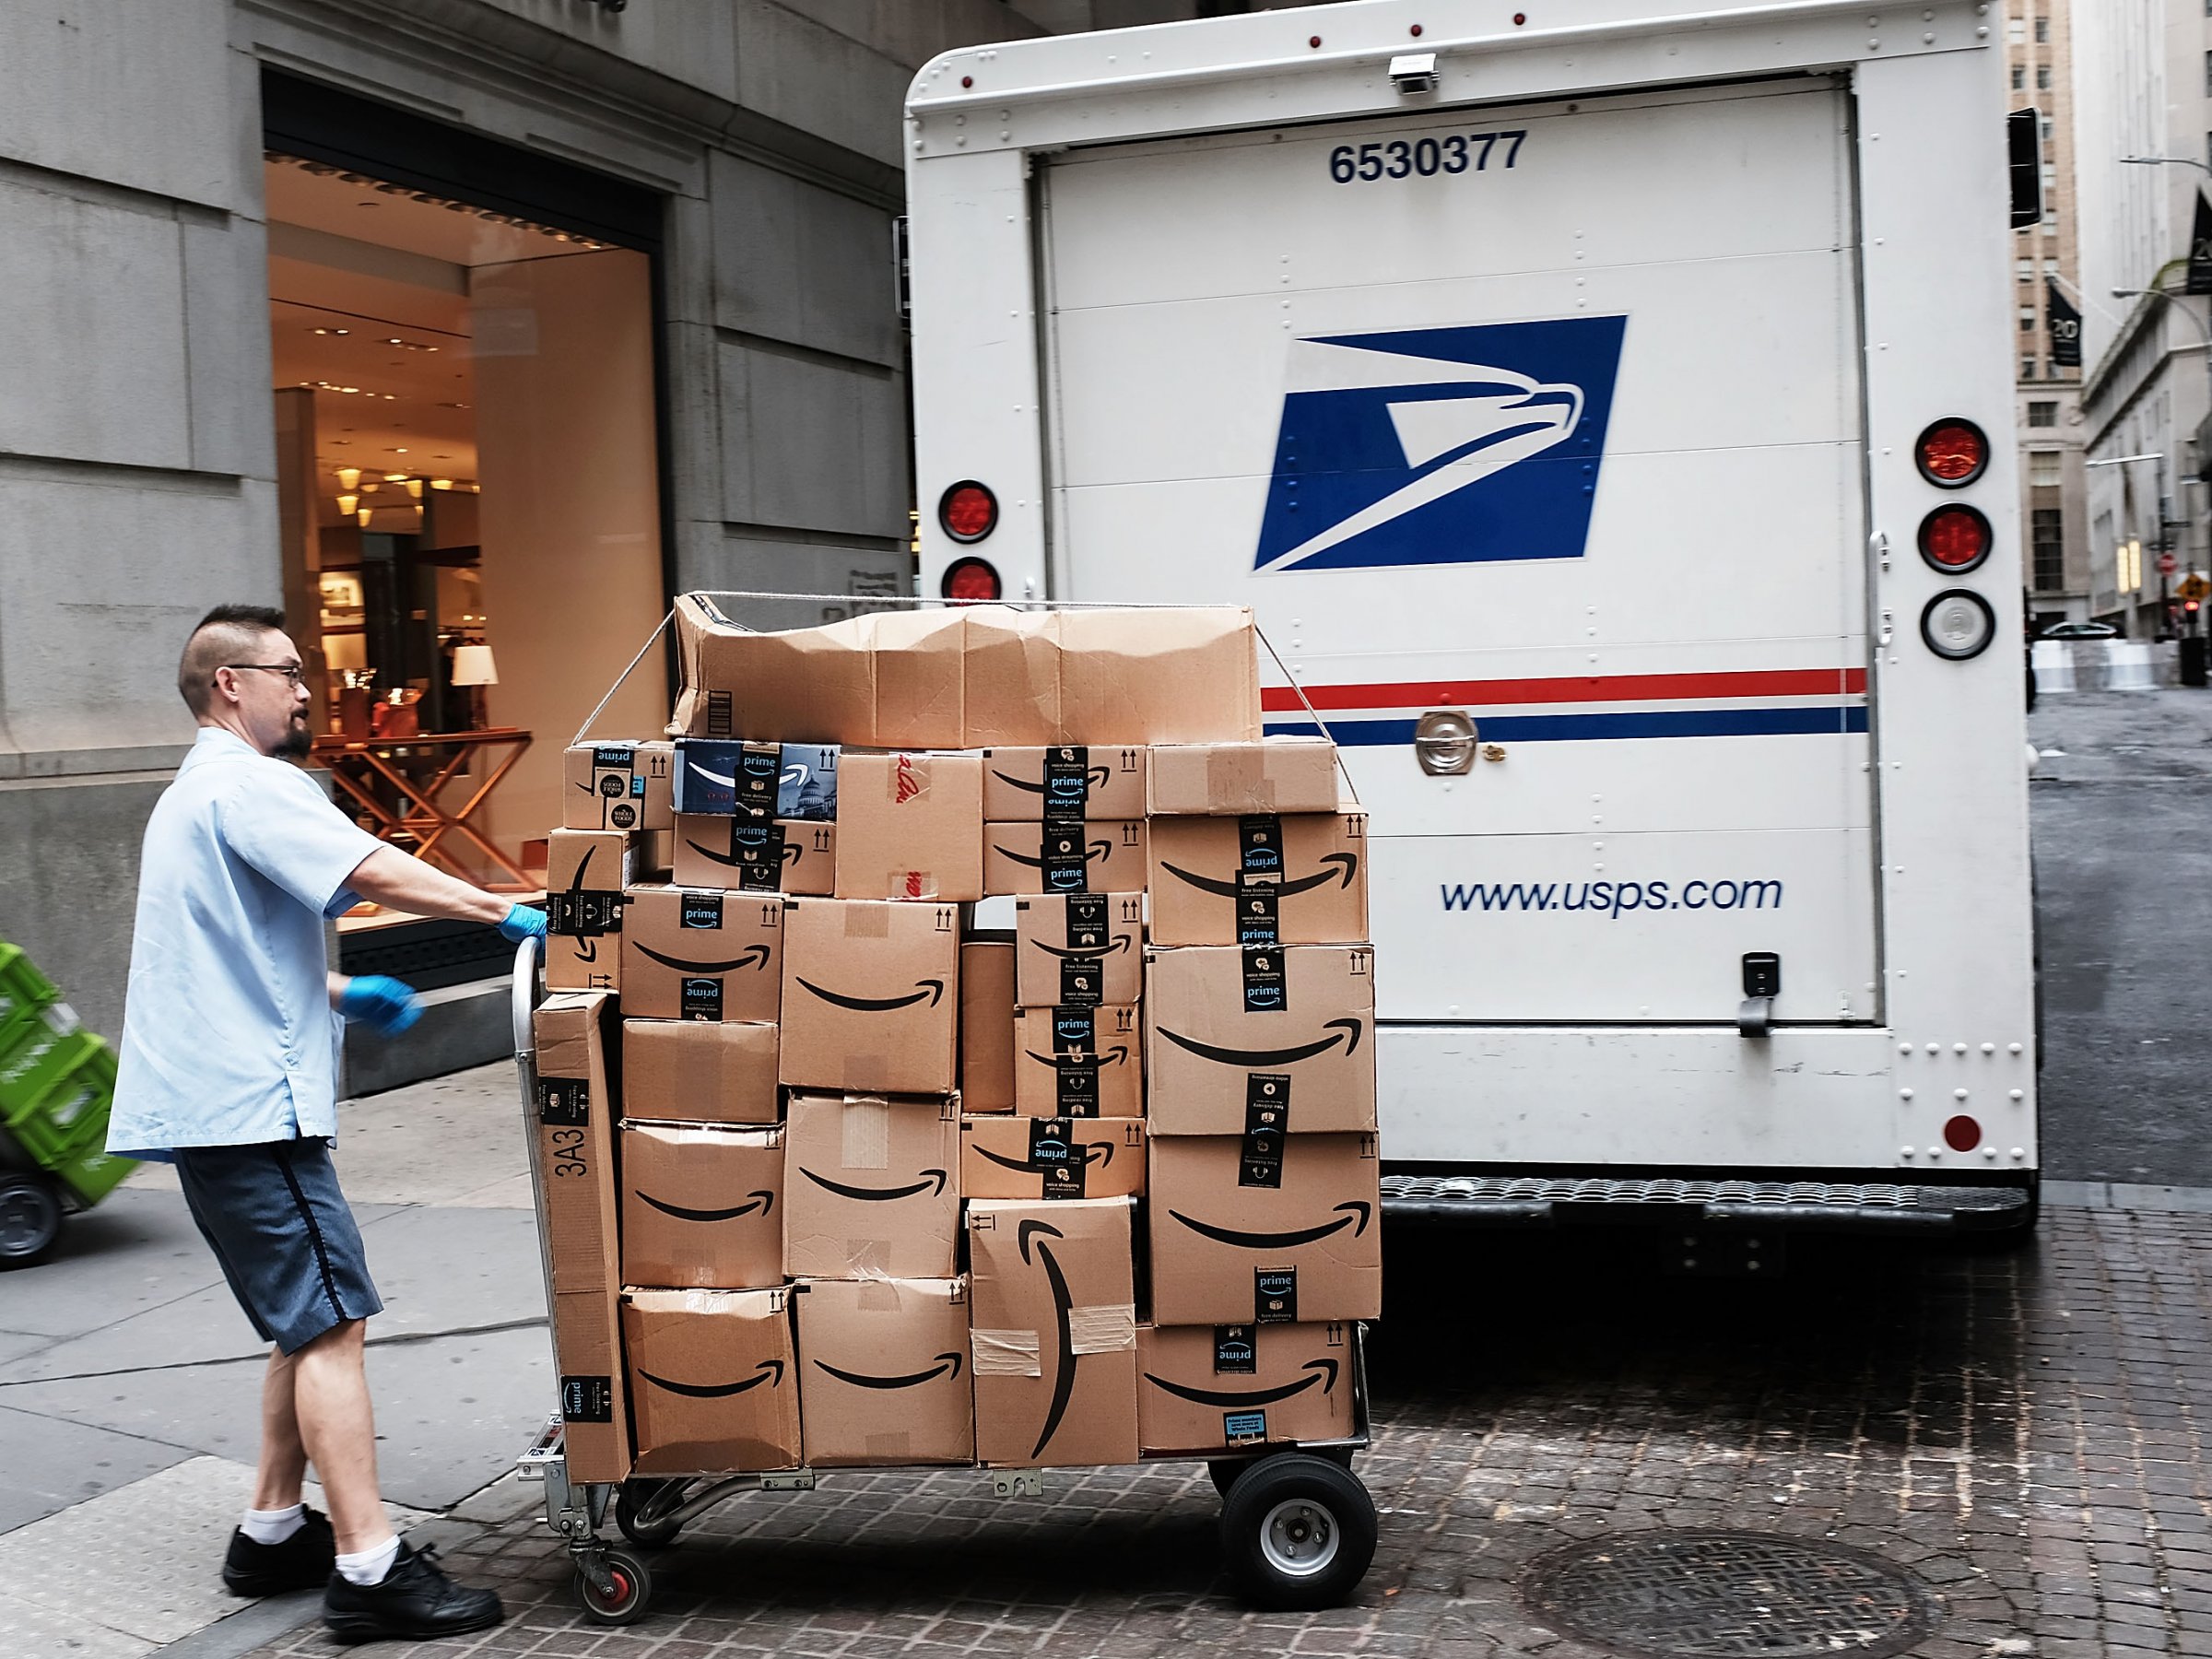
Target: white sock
[(273, 1526), (370, 1565)]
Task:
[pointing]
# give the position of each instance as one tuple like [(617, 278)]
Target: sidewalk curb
[(2127, 1195)]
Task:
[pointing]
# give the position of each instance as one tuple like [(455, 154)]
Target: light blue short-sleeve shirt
[(228, 1033)]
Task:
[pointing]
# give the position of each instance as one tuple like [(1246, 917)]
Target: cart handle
[(526, 993)]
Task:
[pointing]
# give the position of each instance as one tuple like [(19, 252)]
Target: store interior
[(469, 481)]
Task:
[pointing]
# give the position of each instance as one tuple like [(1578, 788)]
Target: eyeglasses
[(291, 671)]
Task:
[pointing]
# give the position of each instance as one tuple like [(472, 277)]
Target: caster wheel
[(1297, 1533), (627, 1601), (633, 1506), (31, 1219)]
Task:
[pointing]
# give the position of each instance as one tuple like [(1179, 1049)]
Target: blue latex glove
[(389, 1005), (523, 922)]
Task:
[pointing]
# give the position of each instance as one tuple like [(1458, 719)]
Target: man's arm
[(401, 882)]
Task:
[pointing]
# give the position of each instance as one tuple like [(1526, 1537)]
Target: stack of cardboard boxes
[(856, 1182)]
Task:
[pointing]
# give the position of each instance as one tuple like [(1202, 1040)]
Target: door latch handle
[(1762, 984)]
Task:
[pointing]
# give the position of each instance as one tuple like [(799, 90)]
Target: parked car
[(2079, 630)]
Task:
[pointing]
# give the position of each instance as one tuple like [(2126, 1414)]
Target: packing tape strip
[(1006, 1353), (910, 884), (1238, 778), (1109, 1328), (867, 921), (865, 1134)]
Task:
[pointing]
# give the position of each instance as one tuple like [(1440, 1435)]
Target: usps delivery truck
[(1605, 407)]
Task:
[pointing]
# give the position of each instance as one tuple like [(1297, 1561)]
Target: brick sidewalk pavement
[(2026, 1432)]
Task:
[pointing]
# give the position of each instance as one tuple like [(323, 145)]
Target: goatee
[(297, 742)]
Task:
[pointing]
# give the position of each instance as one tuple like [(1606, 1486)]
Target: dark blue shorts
[(283, 1232)]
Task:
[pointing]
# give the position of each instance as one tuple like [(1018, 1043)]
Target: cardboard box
[(1055, 1332), (694, 1072), (617, 785), (1206, 1389), (1308, 1247), (871, 1000), (871, 1187), (714, 1381), (691, 954), (702, 1206), (1262, 1039), (1279, 774), (1079, 950), (576, 1117), (1078, 1062), (888, 680), (1159, 676), (1259, 879), (1066, 781), (987, 1025), (764, 782), (587, 1355), (747, 856), (911, 826), (884, 1372), (1053, 1158), (587, 874), (1096, 856)]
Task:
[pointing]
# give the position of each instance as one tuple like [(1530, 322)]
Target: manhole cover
[(1698, 1594)]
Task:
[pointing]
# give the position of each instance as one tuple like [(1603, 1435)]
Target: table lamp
[(473, 667)]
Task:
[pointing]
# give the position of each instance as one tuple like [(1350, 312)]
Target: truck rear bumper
[(1797, 1205)]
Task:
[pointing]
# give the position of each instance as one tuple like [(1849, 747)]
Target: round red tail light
[(968, 511), (1952, 452), (1962, 1134), (1954, 537), (970, 581)]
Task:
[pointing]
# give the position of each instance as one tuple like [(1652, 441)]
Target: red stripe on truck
[(1593, 687)]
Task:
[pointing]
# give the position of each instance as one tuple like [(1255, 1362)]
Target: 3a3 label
[(1424, 158)]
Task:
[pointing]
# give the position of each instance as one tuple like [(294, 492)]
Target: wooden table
[(359, 765)]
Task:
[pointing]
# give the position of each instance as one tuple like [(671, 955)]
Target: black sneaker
[(415, 1600), (301, 1562)]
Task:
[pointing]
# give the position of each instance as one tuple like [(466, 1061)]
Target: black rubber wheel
[(1223, 1471), (633, 1593), (1297, 1533), (630, 1500), (31, 1219)]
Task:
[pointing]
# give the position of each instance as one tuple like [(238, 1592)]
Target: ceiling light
[(397, 477), (414, 488), (347, 504), (363, 516), (441, 483), (349, 388), (400, 452), (349, 476)]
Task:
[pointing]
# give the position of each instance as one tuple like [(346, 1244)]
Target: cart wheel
[(31, 1219), (631, 1595), (1297, 1532), (633, 1497)]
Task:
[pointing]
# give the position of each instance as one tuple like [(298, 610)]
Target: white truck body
[(1578, 395)]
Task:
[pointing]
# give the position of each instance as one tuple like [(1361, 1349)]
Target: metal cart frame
[(1299, 1536)]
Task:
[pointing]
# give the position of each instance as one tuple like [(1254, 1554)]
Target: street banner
[(2066, 329), (2200, 250)]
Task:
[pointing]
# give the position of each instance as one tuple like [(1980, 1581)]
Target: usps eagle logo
[(1432, 446)]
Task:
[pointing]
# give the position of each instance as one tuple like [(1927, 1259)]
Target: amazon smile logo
[(1097, 849), (752, 955), (759, 1199), (769, 1371), (1323, 1371), (1064, 1374), (1362, 1213), (946, 1365), (1119, 942), (1094, 1152), (1112, 1056), (792, 853), (1346, 1031), (1347, 867), (1094, 778), (931, 989), (881, 1195)]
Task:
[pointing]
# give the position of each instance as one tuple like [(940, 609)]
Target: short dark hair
[(220, 637)]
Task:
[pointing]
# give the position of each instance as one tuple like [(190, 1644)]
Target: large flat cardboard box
[(1054, 1334), (1165, 676), (1308, 1247), (1079, 948), (693, 1071), (714, 1381), (1206, 1389), (1260, 880), (1078, 1062), (587, 1356), (871, 1187), (765, 781), (1054, 1159), (1094, 857), (702, 1206), (888, 680), (987, 1025), (1280, 774), (884, 1372), (690, 953), (617, 785), (1063, 781), (1261, 1039), (911, 826), (576, 1118), (871, 998), (587, 874), (749, 856)]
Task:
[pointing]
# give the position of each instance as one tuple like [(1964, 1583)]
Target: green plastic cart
[(57, 1083)]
